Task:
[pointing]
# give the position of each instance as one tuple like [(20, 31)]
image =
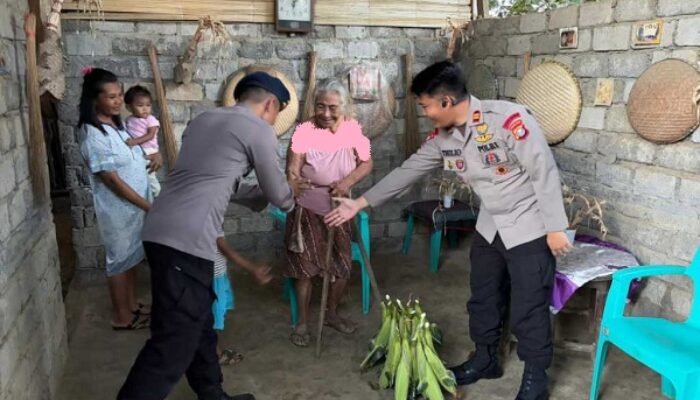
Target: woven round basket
[(551, 91), (288, 116), (482, 83), (662, 106)]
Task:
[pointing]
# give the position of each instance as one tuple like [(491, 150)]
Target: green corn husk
[(407, 343)]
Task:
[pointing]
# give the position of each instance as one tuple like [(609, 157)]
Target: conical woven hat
[(482, 83), (288, 116), (662, 107), (552, 93)]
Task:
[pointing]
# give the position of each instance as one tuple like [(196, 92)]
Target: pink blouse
[(330, 157)]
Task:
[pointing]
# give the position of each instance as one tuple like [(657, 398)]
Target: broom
[(309, 99), (166, 124), (412, 139), (37, 147)]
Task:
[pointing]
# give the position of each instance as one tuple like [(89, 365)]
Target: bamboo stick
[(38, 168), (165, 121), (309, 99), (412, 139)]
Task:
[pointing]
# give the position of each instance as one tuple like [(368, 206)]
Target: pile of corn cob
[(406, 342)]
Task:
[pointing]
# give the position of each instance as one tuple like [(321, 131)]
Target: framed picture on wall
[(568, 38), (647, 33), (605, 89)]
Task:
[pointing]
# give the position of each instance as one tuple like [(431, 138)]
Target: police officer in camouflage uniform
[(498, 148)]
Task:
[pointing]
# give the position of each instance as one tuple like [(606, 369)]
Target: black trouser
[(523, 275), (182, 340)]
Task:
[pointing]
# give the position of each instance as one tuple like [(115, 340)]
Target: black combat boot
[(534, 384), (482, 365)]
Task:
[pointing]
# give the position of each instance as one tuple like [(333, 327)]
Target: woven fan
[(288, 116), (552, 93), (662, 106)]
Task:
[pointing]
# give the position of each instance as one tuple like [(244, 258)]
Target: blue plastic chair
[(670, 348), (289, 290), (459, 212)]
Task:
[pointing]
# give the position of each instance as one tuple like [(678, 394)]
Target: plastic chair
[(290, 292), (424, 210), (670, 348)]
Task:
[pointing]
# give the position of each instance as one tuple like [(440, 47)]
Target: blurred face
[(433, 109), (110, 100), (328, 112), (141, 106)]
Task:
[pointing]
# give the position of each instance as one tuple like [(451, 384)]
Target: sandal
[(300, 339), (142, 309), (230, 357), (139, 322)]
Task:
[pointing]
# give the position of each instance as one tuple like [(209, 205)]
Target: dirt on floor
[(274, 369)]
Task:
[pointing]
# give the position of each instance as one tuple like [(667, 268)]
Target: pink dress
[(330, 157)]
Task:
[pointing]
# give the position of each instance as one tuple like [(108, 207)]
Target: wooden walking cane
[(326, 283)]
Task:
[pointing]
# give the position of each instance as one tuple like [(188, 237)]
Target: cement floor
[(273, 369)]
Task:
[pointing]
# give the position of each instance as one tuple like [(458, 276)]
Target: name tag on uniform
[(455, 164), (487, 147), (452, 153)]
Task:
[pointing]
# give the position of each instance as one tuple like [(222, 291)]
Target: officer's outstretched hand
[(558, 243), (347, 208)]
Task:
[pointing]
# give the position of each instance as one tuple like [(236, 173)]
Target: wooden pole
[(412, 139), (309, 99), (165, 121), (37, 146), (526, 61)]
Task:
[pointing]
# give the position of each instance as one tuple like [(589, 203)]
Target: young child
[(142, 127), (224, 294)]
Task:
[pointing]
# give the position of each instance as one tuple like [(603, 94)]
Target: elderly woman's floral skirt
[(308, 260)]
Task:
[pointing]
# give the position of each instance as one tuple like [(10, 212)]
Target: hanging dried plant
[(455, 32), (581, 207), (94, 9), (217, 36)]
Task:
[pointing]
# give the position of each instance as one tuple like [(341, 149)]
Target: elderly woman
[(331, 152)]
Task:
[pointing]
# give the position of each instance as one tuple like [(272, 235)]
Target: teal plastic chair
[(424, 210), (290, 292), (670, 348)]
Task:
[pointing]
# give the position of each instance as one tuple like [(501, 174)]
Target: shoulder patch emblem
[(432, 135), (514, 123)]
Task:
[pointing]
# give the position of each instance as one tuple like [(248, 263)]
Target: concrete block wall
[(652, 191), (33, 344), (122, 48)]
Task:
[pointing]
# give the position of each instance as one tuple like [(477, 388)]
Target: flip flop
[(140, 309), (300, 339), (230, 357), (138, 322)]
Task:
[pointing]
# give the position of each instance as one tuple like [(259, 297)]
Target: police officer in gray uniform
[(498, 148)]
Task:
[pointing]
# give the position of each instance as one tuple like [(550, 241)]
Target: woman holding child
[(119, 181), (331, 152)]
